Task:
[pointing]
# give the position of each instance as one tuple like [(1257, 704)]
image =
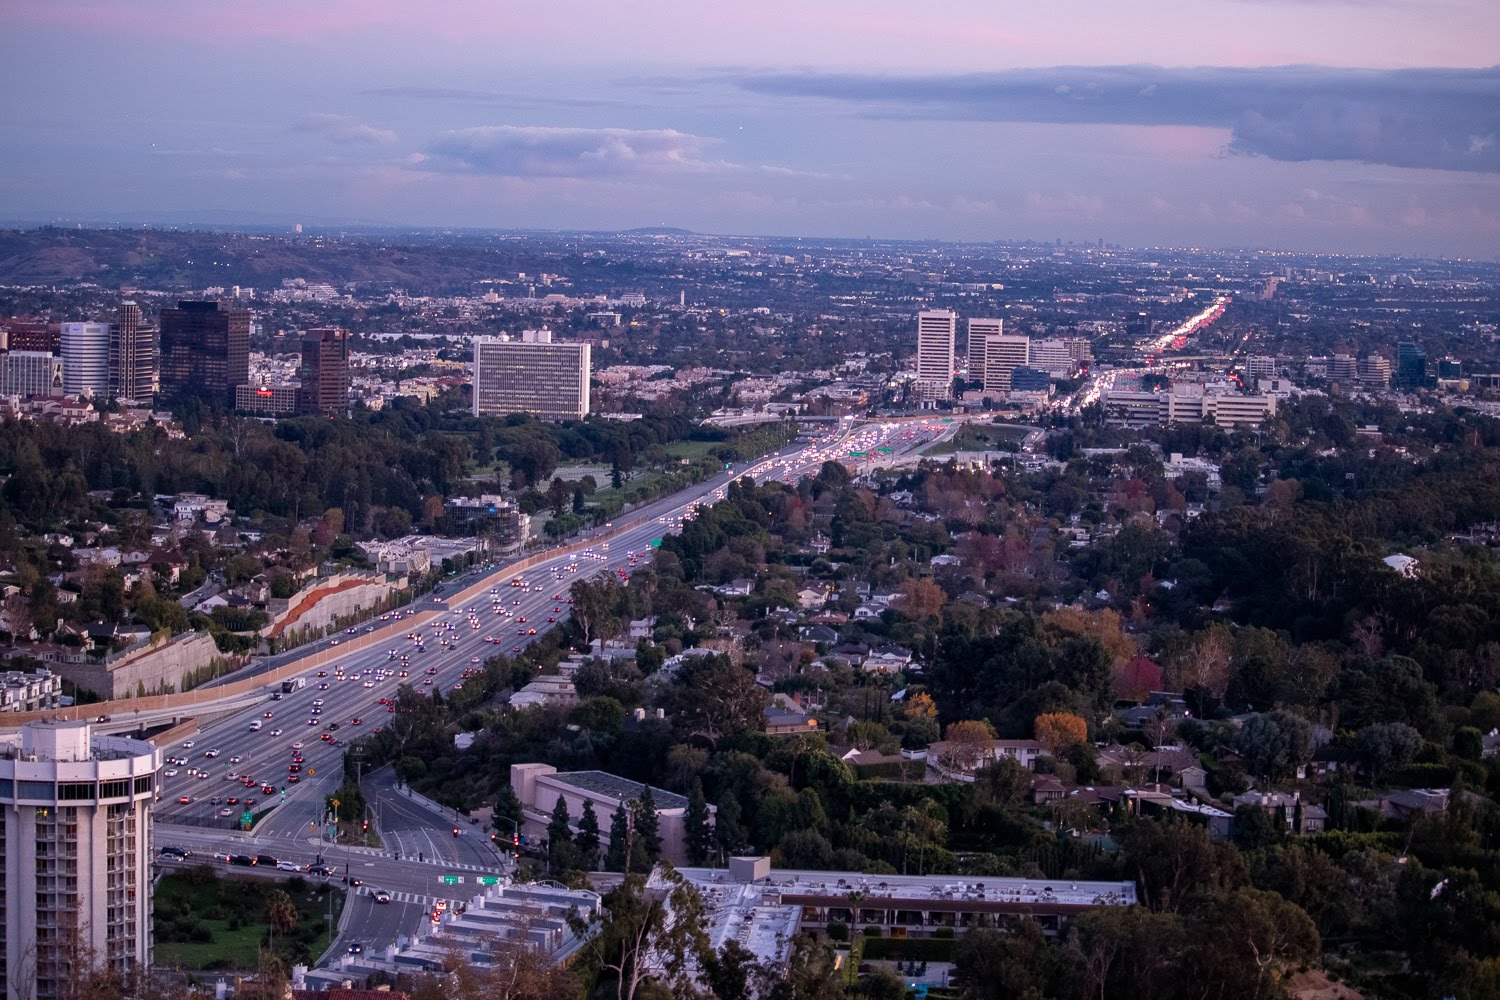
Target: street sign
[(656, 543), (488, 880), (451, 879)]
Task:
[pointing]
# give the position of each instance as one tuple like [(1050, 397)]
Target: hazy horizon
[(1350, 126)]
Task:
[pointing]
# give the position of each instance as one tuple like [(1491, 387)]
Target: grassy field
[(980, 437), (205, 921)]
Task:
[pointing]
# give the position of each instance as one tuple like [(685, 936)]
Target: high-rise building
[(937, 331), (1003, 354), (75, 838), (31, 373), (85, 354), (27, 335), (531, 375), (1374, 372), (1343, 369), (205, 351), (325, 371), (979, 329), (1411, 366), (132, 355)]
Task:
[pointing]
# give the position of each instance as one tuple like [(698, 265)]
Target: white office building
[(979, 330), (532, 375), (85, 354), (1003, 354), (31, 373), (75, 838), (937, 334)]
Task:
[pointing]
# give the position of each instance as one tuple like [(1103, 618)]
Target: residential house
[(1299, 816), (781, 721), (811, 598), (888, 660)]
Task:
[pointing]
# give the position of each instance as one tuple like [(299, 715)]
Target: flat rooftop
[(616, 787), (952, 890)]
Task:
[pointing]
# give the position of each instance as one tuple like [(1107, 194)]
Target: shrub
[(838, 930)]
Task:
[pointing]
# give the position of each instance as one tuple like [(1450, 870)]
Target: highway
[(286, 753)]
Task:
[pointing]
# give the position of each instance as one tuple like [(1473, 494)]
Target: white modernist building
[(937, 333), (979, 331), (534, 375), (75, 837), (85, 354), (1003, 354)]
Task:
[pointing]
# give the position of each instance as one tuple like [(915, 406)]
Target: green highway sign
[(656, 543), (884, 451), (856, 454), (488, 880), (451, 879)]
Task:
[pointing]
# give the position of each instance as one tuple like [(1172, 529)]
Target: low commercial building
[(539, 786), (767, 906), (1186, 404)]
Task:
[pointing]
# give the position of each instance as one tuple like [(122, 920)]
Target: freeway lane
[(341, 687), (350, 686)]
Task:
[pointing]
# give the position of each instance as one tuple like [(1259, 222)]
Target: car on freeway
[(171, 772), (275, 732), (226, 812), (210, 753), (235, 759), (355, 948), (188, 744), (185, 799), (290, 866), (319, 869), (297, 745)]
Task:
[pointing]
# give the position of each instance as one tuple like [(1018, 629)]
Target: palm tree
[(281, 915)]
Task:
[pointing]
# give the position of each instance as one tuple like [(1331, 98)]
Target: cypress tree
[(614, 855), (699, 834), (587, 842), (559, 838)]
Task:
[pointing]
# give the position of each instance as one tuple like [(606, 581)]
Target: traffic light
[(367, 826), (515, 840)]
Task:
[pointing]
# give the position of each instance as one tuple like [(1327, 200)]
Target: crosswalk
[(426, 902)]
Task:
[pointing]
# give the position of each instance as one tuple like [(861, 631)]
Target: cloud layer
[(342, 128), (1445, 119), (535, 151)]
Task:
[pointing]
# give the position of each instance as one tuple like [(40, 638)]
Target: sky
[(1351, 126)]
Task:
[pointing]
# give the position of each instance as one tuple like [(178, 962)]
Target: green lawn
[(206, 921), (979, 437)]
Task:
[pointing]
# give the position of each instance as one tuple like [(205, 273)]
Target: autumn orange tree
[(968, 743), (1060, 732)]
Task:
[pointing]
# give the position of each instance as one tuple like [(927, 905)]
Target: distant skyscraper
[(937, 331), (25, 335), (205, 351), (979, 329), (325, 371), (132, 355), (531, 375), (1002, 355), (75, 841), (31, 373), (85, 354), (1411, 366)]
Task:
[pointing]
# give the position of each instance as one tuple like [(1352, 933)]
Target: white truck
[(255, 726)]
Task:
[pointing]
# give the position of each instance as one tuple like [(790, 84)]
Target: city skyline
[(1365, 126)]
